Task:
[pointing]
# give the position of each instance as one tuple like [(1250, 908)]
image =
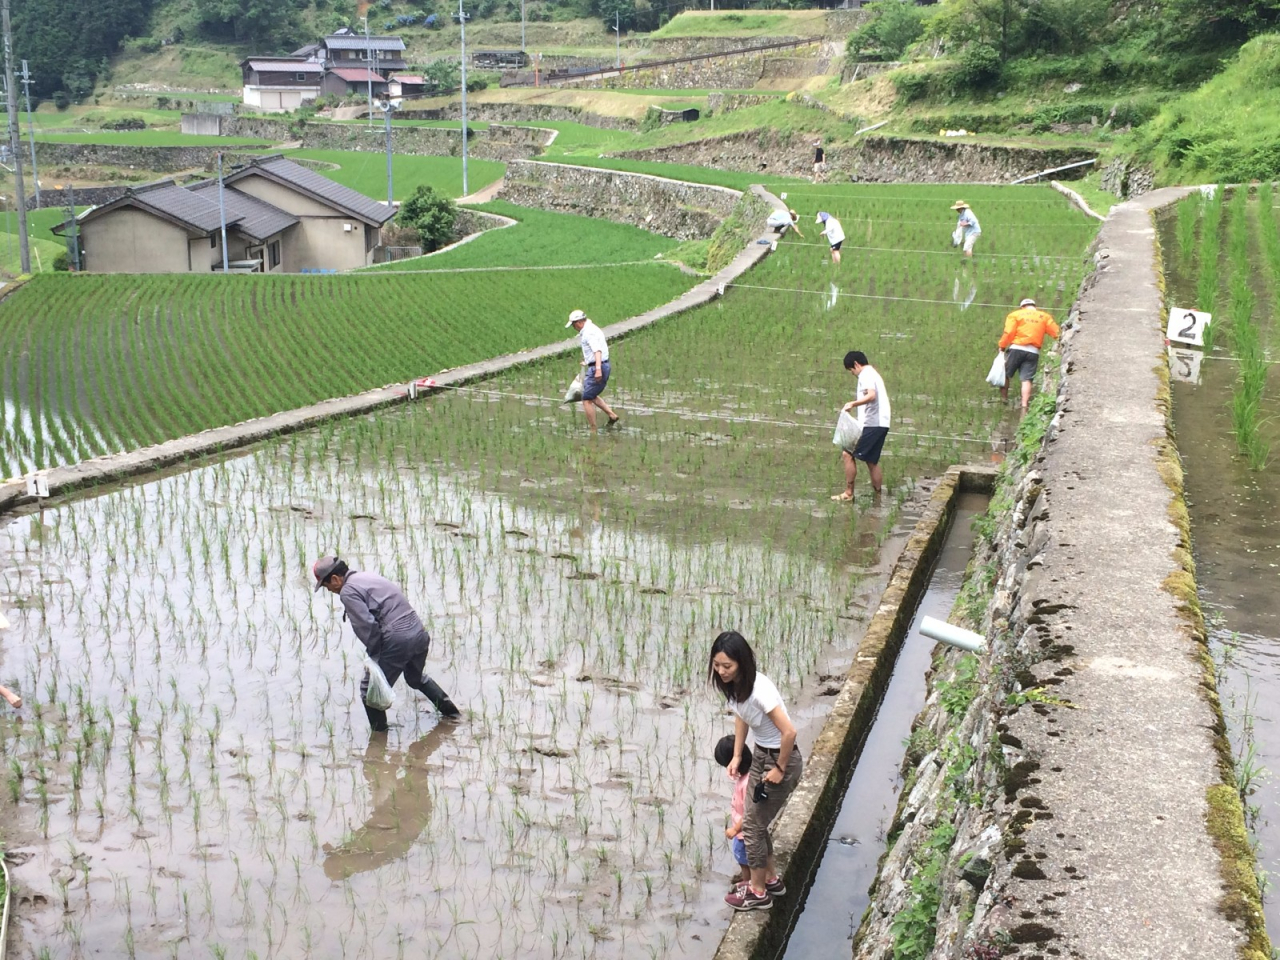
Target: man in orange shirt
[(1024, 331)]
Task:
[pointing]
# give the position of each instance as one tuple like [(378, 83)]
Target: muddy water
[(1235, 527), (194, 773), (835, 903)]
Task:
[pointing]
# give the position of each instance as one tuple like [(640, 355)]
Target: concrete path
[(482, 196), (87, 473), (1129, 868)]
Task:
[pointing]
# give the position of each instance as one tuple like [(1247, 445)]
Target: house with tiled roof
[(345, 81), (277, 84), (279, 217)]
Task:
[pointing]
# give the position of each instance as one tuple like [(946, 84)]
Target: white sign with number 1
[(1187, 326)]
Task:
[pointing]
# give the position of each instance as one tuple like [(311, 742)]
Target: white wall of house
[(129, 240), (323, 238), (278, 99)]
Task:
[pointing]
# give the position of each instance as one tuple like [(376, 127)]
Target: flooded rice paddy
[(1235, 524), (193, 772)]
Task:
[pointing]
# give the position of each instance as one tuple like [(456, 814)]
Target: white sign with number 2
[(1187, 326)]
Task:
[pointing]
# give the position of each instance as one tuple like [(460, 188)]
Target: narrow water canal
[(839, 895)]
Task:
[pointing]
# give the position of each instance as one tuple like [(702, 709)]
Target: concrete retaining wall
[(672, 208), (870, 159), (1088, 788), (65, 480), (203, 124)]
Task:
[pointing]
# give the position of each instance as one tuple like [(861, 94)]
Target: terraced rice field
[(194, 773)]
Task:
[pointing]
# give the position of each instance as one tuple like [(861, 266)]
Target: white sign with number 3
[(1184, 364), (1187, 326)]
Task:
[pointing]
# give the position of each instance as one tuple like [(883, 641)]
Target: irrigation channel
[(193, 771), (1235, 524), (839, 894)]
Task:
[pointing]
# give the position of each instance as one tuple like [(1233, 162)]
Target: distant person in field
[(1024, 332), (872, 403), (967, 229), (834, 233), (781, 220), (390, 629), (819, 161), (595, 364)]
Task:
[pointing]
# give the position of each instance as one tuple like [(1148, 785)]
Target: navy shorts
[(870, 444), (837, 245), (591, 387), (1022, 363)]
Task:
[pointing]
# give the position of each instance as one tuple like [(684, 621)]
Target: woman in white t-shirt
[(775, 767)]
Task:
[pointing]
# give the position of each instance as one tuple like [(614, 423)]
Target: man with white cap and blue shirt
[(595, 363)]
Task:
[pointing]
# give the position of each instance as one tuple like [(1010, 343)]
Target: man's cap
[(575, 317), (823, 217), (1027, 302), (959, 205), (323, 569)]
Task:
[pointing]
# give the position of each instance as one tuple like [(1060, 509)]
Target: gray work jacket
[(383, 620)]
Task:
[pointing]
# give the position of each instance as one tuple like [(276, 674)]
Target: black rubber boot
[(377, 719), (439, 699)]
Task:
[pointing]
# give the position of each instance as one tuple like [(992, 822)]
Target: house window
[(273, 254), (300, 77), (213, 242)]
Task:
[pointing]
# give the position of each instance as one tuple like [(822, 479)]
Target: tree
[(265, 22), (67, 41), (431, 214), (442, 76), (894, 26), (616, 12)]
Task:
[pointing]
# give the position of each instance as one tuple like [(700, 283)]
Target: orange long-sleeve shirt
[(1026, 327)]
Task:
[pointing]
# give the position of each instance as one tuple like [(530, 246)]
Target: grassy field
[(367, 172), (542, 238), (97, 363), (774, 23)]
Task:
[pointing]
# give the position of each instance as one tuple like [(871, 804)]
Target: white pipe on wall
[(952, 635)]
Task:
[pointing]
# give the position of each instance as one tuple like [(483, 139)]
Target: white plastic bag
[(997, 375), (575, 390), (379, 694), (957, 236), (848, 432)]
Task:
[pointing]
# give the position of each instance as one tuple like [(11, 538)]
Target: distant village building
[(281, 217), (340, 64)]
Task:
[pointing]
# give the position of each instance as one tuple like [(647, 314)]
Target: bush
[(911, 85), (894, 26), (62, 262), (142, 45), (61, 99), (431, 215), (979, 67)]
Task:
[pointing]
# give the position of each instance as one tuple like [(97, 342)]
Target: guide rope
[(866, 296), (936, 253), (550, 266), (694, 415)]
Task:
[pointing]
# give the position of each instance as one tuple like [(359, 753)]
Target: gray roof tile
[(349, 201), (255, 218), (180, 204), (360, 43)]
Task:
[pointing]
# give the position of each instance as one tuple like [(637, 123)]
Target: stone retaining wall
[(415, 141), (728, 102), (672, 208), (519, 113), (159, 159), (870, 159), (731, 72)]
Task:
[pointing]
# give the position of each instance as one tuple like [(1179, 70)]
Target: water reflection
[(401, 794)]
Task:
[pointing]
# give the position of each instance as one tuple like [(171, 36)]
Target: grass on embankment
[(543, 238), (774, 23), (366, 172)]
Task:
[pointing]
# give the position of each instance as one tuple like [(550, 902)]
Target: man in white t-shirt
[(834, 233), (873, 414), (595, 363)]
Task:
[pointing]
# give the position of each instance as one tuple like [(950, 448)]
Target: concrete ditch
[(218, 440)]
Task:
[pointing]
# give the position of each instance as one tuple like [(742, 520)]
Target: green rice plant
[(1188, 215)]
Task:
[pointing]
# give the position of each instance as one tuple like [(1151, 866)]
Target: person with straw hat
[(967, 229)]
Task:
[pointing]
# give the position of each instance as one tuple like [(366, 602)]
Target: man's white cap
[(1027, 302), (575, 317)]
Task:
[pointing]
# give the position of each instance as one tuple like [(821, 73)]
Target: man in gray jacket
[(390, 630)]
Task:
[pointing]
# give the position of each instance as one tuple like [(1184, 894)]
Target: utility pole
[(368, 67), (617, 30), (222, 217), (31, 127), (24, 244), (73, 235), (387, 107), (522, 26), (462, 22)]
